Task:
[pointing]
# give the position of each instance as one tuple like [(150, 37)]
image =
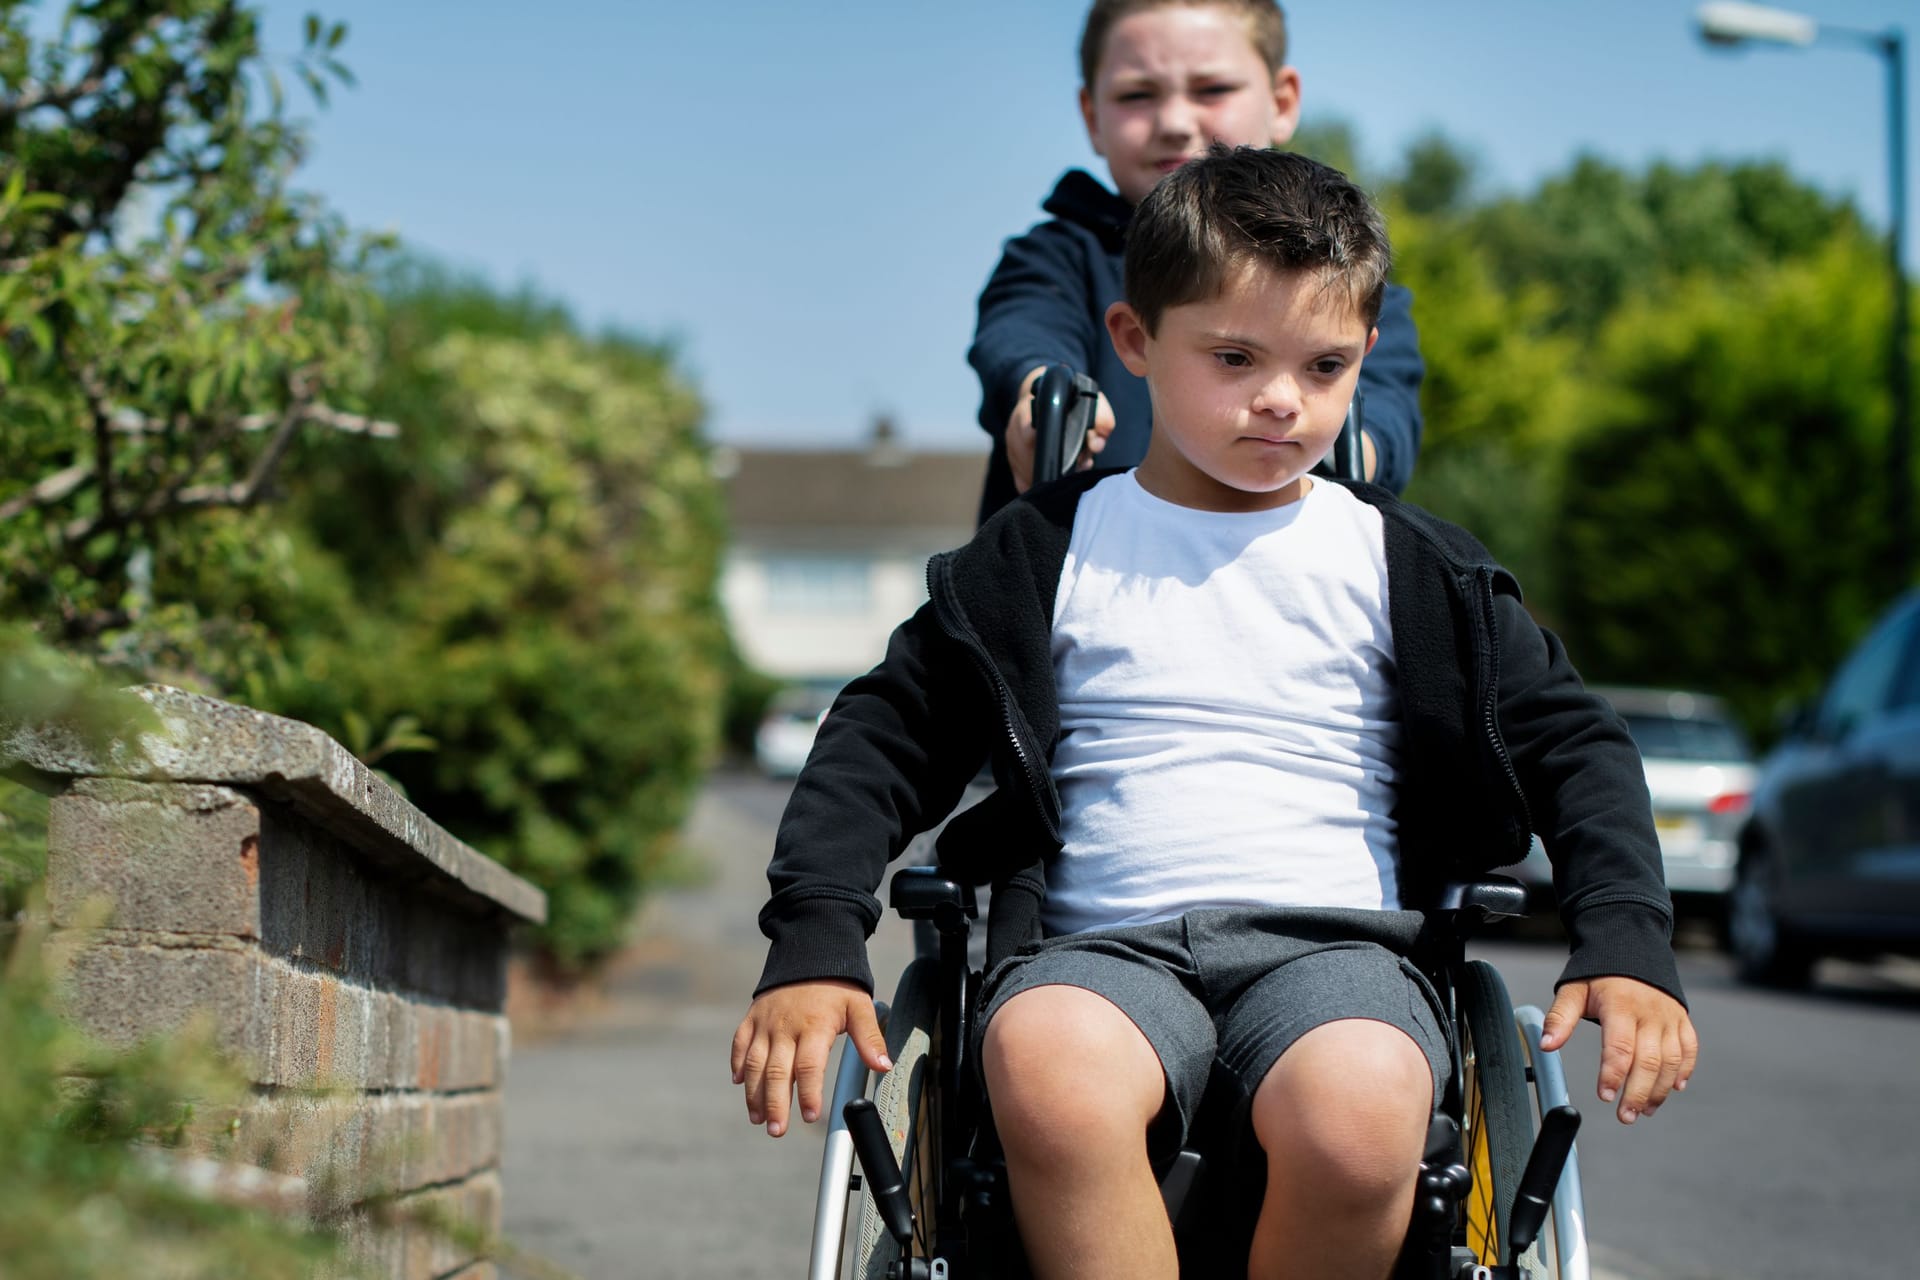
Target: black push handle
[(1347, 460), (1063, 405), (878, 1166), (1535, 1194)]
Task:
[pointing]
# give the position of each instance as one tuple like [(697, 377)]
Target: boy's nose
[(1177, 118), (1279, 398)]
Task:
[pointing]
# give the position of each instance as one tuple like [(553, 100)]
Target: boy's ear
[(1129, 337), (1373, 336), (1286, 105), (1088, 118)]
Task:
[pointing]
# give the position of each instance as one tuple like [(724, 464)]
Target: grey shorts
[(1237, 986)]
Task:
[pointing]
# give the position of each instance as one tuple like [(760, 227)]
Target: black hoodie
[(1046, 303), (1500, 739)]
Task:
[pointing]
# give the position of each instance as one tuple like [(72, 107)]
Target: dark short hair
[(1237, 206), (1266, 28)]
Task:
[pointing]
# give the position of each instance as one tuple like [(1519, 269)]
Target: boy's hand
[(783, 1043), (1021, 435), (1647, 1043)]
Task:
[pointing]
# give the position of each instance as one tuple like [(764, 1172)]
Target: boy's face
[(1176, 79), (1249, 388)]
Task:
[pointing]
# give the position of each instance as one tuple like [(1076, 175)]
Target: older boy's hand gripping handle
[(1063, 412)]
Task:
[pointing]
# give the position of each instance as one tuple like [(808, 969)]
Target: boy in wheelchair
[(1241, 721)]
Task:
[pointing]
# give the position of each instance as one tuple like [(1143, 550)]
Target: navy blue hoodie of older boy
[(1046, 303)]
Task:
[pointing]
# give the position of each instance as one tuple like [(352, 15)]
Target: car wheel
[(1764, 952)]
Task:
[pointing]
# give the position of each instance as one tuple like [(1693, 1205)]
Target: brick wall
[(249, 872)]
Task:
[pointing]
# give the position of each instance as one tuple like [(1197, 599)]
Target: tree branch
[(128, 423), (61, 484), (241, 493), (96, 395)]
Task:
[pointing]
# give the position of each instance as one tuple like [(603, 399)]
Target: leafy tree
[(1499, 397), (528, 576), (1436, 177), (1330, 142), (173, 316), (1724, 524), (1599, 236)]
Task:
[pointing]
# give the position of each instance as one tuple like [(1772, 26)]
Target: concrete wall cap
[(207, 741)]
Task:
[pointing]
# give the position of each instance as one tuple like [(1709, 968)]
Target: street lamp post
[(1737, 24)]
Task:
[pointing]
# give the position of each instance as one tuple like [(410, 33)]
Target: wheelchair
[(1498, 1194)]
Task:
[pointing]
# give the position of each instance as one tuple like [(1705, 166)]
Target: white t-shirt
[(1229, 721)]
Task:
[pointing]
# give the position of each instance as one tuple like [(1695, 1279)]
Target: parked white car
[(786, 733), (1700, 775)]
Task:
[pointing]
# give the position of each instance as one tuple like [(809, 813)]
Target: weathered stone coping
[(204, 740)]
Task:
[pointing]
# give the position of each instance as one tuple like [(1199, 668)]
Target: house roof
[(883, 486)]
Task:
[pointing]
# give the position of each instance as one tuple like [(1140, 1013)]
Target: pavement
[(628, 1152), (628, 1155)]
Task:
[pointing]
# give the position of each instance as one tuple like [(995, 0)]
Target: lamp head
[(1729, 24)]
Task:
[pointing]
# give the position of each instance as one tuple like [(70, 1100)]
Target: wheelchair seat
[(933, 1196)]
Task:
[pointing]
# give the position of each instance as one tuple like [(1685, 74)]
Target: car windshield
[(1670, 738)]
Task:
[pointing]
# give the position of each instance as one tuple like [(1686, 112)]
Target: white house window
[(818, 584)]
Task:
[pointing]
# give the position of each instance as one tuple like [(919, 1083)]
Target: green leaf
[(200, 388)]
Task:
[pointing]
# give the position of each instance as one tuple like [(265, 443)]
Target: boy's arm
[(892, 757), (1587, 791), (1034, 311), (1390, 379)]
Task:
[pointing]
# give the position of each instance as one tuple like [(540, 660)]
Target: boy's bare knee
[(1066, 1068), (1349, 1102)]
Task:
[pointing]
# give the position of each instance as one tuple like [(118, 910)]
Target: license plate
[(1673, 823)]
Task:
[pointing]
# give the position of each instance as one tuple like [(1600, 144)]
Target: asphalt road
[(1795, 1153)]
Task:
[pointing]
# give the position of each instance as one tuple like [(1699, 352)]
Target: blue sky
[(806, 198)]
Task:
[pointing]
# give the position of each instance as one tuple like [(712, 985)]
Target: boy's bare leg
[(1343, 1118), (1074, 1086)]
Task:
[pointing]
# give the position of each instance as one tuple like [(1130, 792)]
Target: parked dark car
[(1830, 854)]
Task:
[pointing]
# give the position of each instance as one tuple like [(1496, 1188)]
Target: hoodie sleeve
[(893, 756), (1036, 309), (1586, 790), (1390, 378)]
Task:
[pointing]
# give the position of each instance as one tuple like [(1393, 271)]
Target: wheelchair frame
[(1470, 1209)]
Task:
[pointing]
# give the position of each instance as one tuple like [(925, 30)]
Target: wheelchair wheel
[(1498, 1119), (907, 1098)]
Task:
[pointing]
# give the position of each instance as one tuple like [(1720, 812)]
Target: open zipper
[(1490, 698), (947, 612)]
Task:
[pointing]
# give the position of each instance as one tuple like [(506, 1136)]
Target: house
[(830, 546)]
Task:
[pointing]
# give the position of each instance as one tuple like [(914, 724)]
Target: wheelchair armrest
[(1490, 898), (922, 893)]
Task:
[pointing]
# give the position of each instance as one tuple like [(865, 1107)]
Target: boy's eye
[(1137, 95), (1329, 368), (1215, 90), (1233, 359)]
